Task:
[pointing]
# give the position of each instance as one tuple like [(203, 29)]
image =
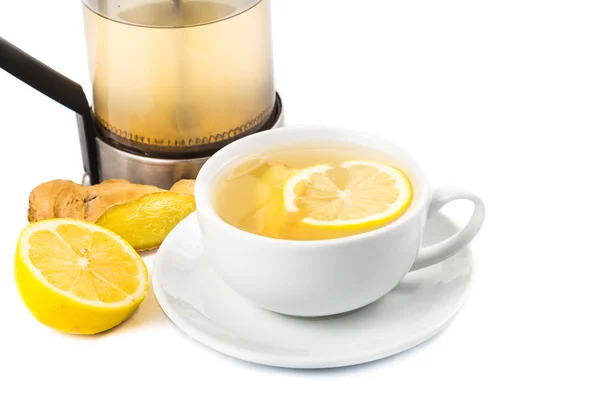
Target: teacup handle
[(440, 251)]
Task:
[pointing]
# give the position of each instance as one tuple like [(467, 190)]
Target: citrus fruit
[(353, 194), (78, 277)]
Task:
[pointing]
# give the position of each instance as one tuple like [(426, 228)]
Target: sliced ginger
[(109, 193), (185, 186), (66, 199), (145, 222), (142, 214)]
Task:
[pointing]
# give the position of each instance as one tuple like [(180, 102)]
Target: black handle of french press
[(59, 88)]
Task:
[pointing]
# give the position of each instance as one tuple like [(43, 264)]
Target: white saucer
[(198, 302)]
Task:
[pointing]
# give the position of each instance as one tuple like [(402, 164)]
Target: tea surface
[(312, 193)]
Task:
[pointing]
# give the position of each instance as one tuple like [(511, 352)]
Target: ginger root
[(144, 214), (66, 199), (44, 197), (185, 186)]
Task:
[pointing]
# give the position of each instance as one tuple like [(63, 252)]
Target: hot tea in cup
[(312, 192), (313, 221)]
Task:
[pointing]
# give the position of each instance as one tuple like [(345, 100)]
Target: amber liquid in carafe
[(176, 81)]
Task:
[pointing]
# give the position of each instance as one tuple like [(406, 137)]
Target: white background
[(502, 97)]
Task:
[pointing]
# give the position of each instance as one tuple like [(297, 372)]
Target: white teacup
[(325, 277)]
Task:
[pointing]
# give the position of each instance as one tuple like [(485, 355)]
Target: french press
[(173, 81)]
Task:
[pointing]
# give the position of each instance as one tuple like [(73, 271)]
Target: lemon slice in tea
[(356, 194)]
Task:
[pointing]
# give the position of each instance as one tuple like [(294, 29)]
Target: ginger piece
[(145, 222), (43, 198), (70, 202), (101, 197), (270, 218), (142, 214), (66, 199), (185, 186)]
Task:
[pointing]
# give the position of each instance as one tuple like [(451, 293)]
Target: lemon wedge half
[(78, 277)]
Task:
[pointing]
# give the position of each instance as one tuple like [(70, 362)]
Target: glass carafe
[(177, 77)]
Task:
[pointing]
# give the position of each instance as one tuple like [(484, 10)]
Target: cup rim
[(298, 133)]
